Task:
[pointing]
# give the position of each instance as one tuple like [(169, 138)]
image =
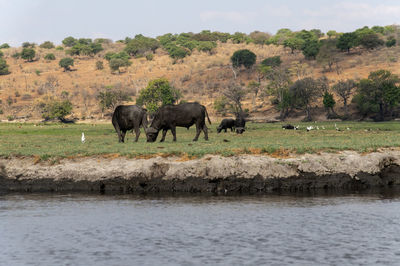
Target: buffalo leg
[(137, 132), (225, 130), (123, 132), (198, 130), (205, 130), (164, 132), (173, 131)]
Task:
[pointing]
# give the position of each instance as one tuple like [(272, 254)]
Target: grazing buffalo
[(181, 115), (288, 126), (240, 123), (225, 124), (127, 117)]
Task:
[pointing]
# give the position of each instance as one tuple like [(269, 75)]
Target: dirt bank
[(244, 173)]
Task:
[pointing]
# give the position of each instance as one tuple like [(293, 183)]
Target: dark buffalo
[(240, 123), (225, 124), (127, 117), (182, 115), (288, 126)]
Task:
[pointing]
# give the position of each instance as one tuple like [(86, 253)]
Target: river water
[(339, 229)]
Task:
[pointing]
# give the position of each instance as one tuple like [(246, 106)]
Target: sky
[(42, 20)]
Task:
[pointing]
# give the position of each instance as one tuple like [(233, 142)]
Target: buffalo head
[(151, 134), (240, 130)]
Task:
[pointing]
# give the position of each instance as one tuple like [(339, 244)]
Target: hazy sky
[(41, 20)]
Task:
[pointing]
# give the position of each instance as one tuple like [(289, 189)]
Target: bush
[(99, 65), (28, 54), (54, 108), (47, 45), (4, 46), (50, 57), (244, 58), (16, 55), (28, 45), (116, 63), (274, 61), (110, 98), (149, 57), (69, 41), (177, 52), (157, 93), (59, 48), (66, 63), (3, 67), (1, 54), (37, 72), (391, 41)]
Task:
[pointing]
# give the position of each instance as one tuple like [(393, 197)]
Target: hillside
[(200, 77)]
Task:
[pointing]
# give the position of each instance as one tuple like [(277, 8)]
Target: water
[(73, 229)]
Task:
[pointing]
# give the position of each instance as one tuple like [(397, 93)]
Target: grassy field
[(60, 141)]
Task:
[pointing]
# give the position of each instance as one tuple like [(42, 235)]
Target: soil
[(215, 174)]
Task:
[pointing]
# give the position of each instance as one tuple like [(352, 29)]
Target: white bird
[(317, 128), (310, 128), (348, 128), (296, 128), (83, 138), (323, 127)]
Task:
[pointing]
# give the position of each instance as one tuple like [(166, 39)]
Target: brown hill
[(200, 77)]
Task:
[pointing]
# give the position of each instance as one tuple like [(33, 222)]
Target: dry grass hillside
[(200, 77)]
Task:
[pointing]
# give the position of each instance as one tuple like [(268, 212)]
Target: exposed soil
[(216, 174)]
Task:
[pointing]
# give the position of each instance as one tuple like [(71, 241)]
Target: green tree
[(278, 86), (109, 98), (177, 52), (55, 109), (47, 45), (116, 63), (66, 63), (370, 41), (207, 46), (332, 34), (306, 91), (70, 41), (273, 61), (28, 54), (235, 95), (347, 41), (28, 45), (4, 46), (244, 58), (391, 41), (50, 56), (378, 94), (293, 43), (327, 54), (3, 67), (259, 37), (157, 93), (311, 48), (329, 102)]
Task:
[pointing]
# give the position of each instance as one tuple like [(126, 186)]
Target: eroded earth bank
[(212, 173)]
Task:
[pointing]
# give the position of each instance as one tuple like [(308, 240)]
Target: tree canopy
[(244, 58)]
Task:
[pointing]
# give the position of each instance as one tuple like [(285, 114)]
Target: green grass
[(58, 140)]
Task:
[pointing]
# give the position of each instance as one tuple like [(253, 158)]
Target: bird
[(296, 127), (322, 127), (337, 129), (310, 128), (317, 128), (348, 128), (83, 138)]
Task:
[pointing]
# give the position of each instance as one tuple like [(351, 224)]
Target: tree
[(332, 33), (69, 41), (259, 37), (347, 41), (278, 86), (53, 108), (329, 102), (28, 54), (244, 58), (206, 46), (50, 56), (305, 91), (254, 87), (157, 93), (311, 48), (177, 52), (235, 94), (99, 65), (378, 94), (4, 46), (47, 45), (3, 67), (370, 41), (293, 43), (109, 98), (66, 63), (344, 90), (28, 45), (391, 41), (327, 54), (273, 61), (116, 63)]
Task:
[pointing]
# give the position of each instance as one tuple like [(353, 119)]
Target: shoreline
[(209, 174)]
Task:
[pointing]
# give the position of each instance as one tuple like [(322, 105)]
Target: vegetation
[(157, 93), (66, 63), (4, 46), (109, 98), (55, 109), (3, 67), (50, 56), (47, 45), (244, 58), (28, 54), (99, 65), (54, 141)]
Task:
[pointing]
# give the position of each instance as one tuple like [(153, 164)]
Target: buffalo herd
[(168, 117)]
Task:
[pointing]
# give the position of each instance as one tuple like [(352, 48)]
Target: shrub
[(50, 57), (47, 45), (3, 67), (274, 61), (16, 55), (244, 58), (149, 57), (4, 46), (59, 48), (1, 54), (110, 98), (37, 72), (28, 45), (391, 41), (28, 54), (66, 63), (116, 63), (69, 41), (99, 65), (54, 108)]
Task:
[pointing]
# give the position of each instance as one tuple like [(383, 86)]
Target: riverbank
[(211, 173)]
